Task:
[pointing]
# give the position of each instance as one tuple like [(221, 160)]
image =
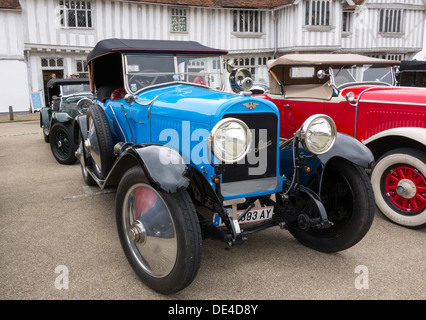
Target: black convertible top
[(114, 45), (413, 65)]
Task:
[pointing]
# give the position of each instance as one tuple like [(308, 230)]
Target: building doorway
[(47, 75)]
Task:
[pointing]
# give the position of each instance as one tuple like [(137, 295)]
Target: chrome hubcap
[(137, 232), (406, 189), (150, 231)]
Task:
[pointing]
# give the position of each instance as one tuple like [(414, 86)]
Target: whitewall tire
[(399, 183)]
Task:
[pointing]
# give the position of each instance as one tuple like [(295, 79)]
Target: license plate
[(254, 215)]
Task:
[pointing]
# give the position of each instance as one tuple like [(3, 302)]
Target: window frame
[(391, 24), (51, 63), (83, 64), (318, 15), (347, 22), (248, 22), (64, 14), (179, 16)]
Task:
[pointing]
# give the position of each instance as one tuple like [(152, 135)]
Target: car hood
[(198, 104), (398, 95)]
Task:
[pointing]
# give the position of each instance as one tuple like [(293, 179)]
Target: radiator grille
[(261, 162)]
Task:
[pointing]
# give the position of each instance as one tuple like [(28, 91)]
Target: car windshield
[(146, 70), (362, 73), (75, 88)]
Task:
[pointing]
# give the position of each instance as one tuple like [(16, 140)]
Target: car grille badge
[(250, 105)]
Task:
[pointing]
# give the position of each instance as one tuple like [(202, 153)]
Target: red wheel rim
[(405, 188)]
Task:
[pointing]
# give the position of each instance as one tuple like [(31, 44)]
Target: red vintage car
[(362, 97)]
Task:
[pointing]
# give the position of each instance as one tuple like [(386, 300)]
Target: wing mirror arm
[(130, 99), (395, 72), (321, 74)]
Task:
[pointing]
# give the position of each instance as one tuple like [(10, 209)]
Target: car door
[(294, 112), (303, 95)]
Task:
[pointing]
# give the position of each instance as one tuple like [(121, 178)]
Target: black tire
[(169, 220), (62, 143), (348, 197), (103, 141), (404, 168)]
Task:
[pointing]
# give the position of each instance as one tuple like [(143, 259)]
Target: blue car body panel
[(182, 116)]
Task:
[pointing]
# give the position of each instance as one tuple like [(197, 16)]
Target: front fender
[(46, 114), (349, 148), (80, 128), (163, 166), (413, 133), (61, 117), (345, 147)]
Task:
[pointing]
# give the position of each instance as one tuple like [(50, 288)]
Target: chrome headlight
[(318, 133), (230, 140)]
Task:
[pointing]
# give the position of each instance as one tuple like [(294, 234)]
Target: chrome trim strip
[(395, 102), (249, 186)]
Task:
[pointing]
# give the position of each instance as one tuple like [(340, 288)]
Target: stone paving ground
[(52, 224)]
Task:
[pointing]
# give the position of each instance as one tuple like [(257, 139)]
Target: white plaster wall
[(14, 86)]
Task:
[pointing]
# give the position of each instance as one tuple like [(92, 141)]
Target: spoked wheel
[(98, 144), (399, 181), (159, 233), (62, 143), (348, 198)]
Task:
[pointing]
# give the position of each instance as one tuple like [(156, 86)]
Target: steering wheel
[(145, 79)]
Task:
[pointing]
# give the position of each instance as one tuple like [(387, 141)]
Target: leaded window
[(81, 66), (390, 20), (47, 63), (347, 21), (179, 20), (318, 12), (75, 14), (248, 21)]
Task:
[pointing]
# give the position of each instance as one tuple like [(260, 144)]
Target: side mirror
[(247, 84), (396, 70), (321, 74), (129, 98), (351, 98), (241, 80), (229, 66)]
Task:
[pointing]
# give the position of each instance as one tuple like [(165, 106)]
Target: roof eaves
[(10, 5), (249, 4)]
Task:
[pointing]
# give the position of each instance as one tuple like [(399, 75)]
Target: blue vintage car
[(193, 160)]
